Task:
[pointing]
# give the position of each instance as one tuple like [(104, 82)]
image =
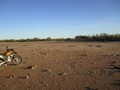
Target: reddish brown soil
[(62, 66)]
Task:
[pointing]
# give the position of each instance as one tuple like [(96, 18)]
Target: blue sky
[(58, 18)]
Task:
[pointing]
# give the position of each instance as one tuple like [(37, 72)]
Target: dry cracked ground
[(63, 66)]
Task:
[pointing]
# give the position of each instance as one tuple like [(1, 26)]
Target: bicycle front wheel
[(17, 59)]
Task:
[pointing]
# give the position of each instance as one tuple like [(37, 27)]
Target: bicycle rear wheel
[(2, 65)]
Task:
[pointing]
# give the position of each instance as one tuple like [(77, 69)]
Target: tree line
[(103, 37), (98, 37)]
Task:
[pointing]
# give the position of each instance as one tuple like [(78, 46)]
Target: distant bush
[(48, 39)]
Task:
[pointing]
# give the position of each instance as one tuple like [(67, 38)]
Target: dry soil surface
[(63, 66)]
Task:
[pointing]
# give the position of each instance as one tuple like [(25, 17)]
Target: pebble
[(29, 74), (35, 66), (90, 88), (62, 74), (23, 77), (31, 67), (42, 82), (114, 62), (47, 70), (11, 76), (116, 55), (26, 77)]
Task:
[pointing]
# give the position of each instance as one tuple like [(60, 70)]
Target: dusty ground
[(63, 66)]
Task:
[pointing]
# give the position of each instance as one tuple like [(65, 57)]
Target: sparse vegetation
[(103, 37)]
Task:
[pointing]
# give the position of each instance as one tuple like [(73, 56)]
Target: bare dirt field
[(63, 66)]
